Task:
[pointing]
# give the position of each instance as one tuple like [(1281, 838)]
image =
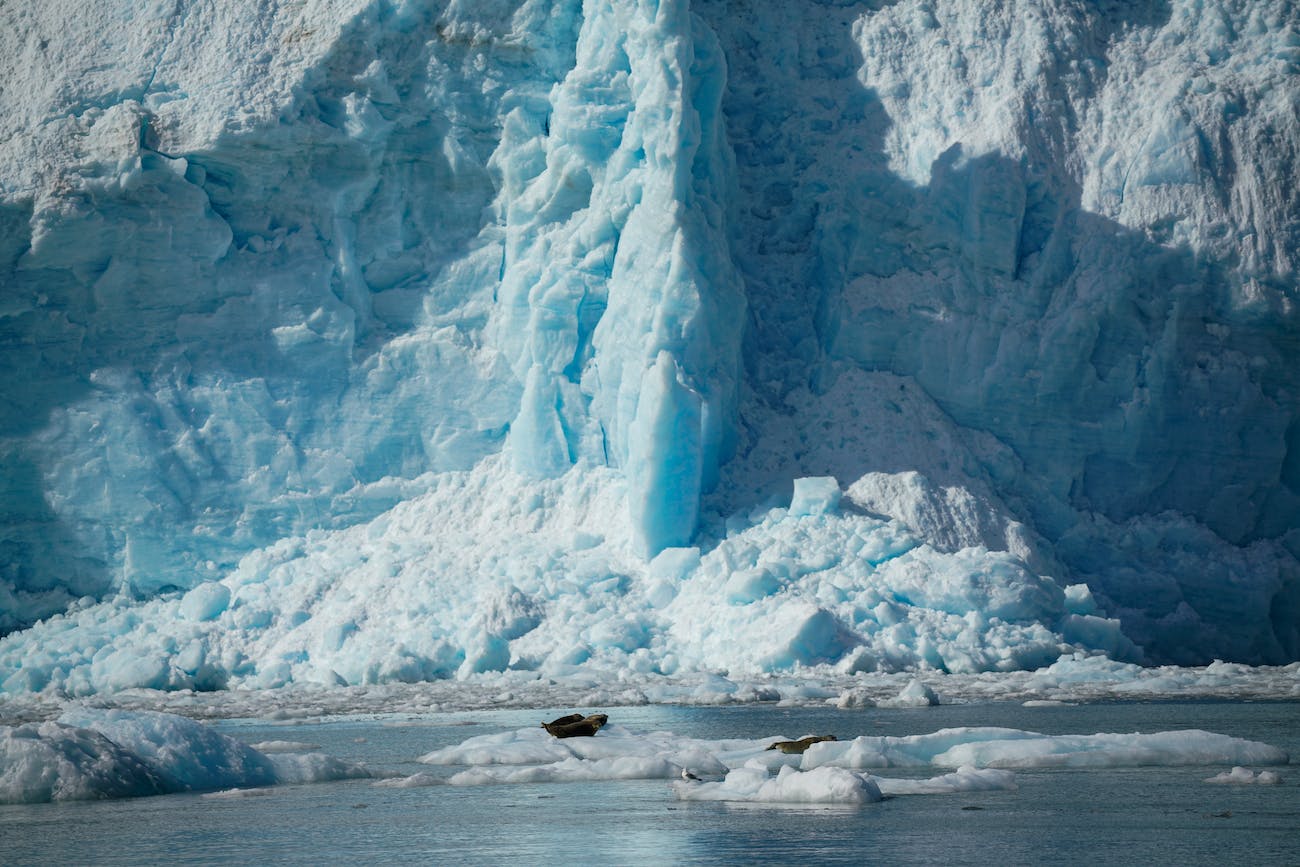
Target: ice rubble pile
[(828, 772), (91, 754), (396, 340), (468, 579)]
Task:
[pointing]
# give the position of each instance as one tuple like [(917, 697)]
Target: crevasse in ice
[(397, 340)]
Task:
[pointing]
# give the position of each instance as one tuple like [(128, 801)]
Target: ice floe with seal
[(91, 754), (826, 771)]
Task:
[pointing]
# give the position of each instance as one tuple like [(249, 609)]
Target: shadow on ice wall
[(1102, 388)]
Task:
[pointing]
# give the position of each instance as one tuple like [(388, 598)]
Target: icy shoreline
[(1070, 680)]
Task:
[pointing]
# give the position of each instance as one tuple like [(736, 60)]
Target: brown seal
[(575, 725), (797, 747)]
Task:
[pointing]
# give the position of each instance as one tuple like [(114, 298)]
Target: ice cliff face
[(265, 297), (1021, 279)]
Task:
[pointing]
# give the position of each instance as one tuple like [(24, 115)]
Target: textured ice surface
[(728, 770), (373, 342), (399, 599), (829, 771), (786, 786), (91, 754)]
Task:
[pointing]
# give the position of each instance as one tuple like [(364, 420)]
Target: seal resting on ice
[(575, 725), (796, 747)]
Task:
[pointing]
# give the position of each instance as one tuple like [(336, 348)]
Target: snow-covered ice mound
[(91, 754), (788, 786)]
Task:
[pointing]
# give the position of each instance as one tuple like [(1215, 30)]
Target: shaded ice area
[(828, 772), (1013, 252), (89, 754), (391, 341)]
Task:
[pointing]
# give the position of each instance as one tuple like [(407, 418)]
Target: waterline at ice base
[(648, 351)]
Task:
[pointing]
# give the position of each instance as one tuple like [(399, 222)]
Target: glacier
[(353, 343)]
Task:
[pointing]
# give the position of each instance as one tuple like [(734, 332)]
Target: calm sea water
[(1120, 816)]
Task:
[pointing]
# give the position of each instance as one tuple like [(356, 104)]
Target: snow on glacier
[(398, 341)]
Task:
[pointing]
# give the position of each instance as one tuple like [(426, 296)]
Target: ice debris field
[(93, 754), (645, 347)]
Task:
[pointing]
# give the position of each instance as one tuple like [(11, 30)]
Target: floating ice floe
[(1240, 776), (828, 771), (833, 785), (915, 694), (91, 754), (788, 786)]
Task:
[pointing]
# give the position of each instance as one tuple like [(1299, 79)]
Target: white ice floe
[(92, 754), (788, 786), (827, 771), (989, 747), (1240, 776), (832, 785), (915, 694), (964, 779)]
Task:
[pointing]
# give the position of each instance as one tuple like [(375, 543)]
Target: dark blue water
[(1118, 816)]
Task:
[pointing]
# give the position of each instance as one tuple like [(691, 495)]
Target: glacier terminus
[(372, 341)]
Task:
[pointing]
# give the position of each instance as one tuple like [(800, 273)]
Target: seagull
[(688, 776)]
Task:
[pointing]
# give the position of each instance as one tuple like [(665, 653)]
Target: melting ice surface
[(378, 342)]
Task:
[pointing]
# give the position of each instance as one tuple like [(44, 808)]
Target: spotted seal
[(797, 747), (575, 725)]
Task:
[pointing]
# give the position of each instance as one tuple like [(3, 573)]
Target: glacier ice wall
[(1022, 281), (1069, 230), (244, 302), (244, 282)]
